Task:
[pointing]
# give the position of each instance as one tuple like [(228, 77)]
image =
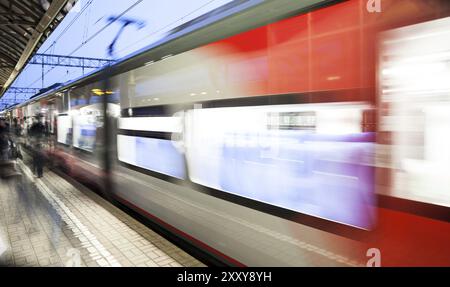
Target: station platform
[(49, 222)]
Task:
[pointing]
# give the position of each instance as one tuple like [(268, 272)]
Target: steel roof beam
[(23, 90), (69, 61), (55, 8), (15, 11)]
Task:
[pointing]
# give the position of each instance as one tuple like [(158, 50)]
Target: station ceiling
[(24, 26)]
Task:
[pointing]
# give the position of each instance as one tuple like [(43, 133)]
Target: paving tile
[(52, 222), (151, 264)]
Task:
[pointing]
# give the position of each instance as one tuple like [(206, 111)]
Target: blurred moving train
[(281, 133)]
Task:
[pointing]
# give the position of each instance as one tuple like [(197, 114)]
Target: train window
[(149, 143), (86, 121), (64, 129), (153, 154), (269, 154)]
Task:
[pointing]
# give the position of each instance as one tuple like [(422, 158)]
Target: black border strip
[(423, 209), (318, 97), (151, 173), (147, 134), (153, 111), (301, 218)]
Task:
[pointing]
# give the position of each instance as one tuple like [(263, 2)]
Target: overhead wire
[(52, 46), (168, 25), (92, 37), (84, 42)]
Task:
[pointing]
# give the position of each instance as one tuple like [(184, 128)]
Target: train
[(273, 133)]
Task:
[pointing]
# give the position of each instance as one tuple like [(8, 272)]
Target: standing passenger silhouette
[(37, 132)]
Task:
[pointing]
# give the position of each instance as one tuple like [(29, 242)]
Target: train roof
[(228, 20)]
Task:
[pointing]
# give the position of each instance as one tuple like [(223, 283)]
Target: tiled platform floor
[(49, 222)]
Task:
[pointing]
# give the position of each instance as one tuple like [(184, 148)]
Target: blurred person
[(25, 125), (4, 141), (46, 128), (37, 133), (7, 168), (28, 199), (17, 127)]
